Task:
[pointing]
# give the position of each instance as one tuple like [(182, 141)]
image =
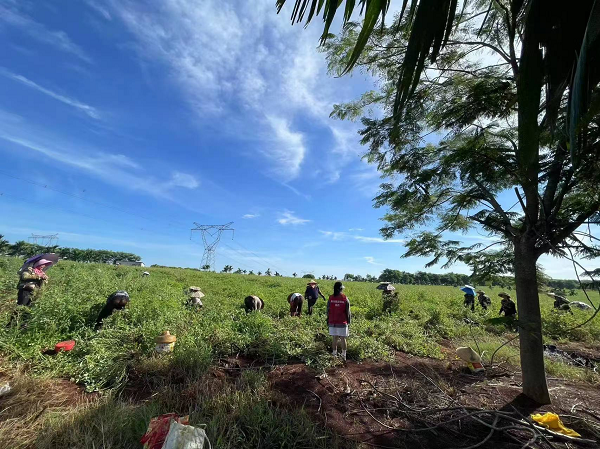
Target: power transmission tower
[(43, 240), (211, 236)]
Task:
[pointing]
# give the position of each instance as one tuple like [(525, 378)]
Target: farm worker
[(469, 297), (311, 294), (390, 298), (338, 318), (194, 297), (508, 306), (253, 303), (31, 280), (117, 301), (484, 300), (295, 300), (560, 302)]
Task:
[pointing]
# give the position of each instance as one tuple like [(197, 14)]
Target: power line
[(267, 263), (257, 258), (79, 197), (245, 257)]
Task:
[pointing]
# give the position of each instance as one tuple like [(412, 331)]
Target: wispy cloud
[(100, 9), (11, 15), (288, 218), (361, 238), (355, 229), (116, 169), (371, 260), (89, 110), (366, 180), (250, 216), (287, 150), (206, 50)]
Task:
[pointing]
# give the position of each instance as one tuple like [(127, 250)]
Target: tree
[(205, 267), (308, 276), (251, 272), (227, 269), (268, 272), (259, 273), (244, 271), (4, 245), (238, 271), (294, 274), (527, 123)]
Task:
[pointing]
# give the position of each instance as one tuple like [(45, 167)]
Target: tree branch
[(492, 200), (484, 44)]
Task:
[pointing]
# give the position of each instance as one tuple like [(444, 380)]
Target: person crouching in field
[(338, 318), (252, 303), (484, 300), (31, 281), (117, 301), (295, 300), (509, 308), (311, 294)]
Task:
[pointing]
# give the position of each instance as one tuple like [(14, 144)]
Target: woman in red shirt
[(338, 318)]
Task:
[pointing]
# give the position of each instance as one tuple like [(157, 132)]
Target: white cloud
[(376, 239), (361, 238), (251, 216), (89, 110), (10, 15), (100, 9), (366, 180), (235, 60), (371, 260), (116, 169), (355, 229), (287, 151), (288, 218), (184, 180)]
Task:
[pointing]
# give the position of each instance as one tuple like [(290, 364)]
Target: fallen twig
[(318, 397)]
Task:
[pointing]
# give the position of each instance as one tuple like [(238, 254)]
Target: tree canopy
[(479, 101), (26, 249)]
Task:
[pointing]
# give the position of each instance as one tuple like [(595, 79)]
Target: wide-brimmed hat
[(312, 281), (194, 292), (42, 262), (504, 295)]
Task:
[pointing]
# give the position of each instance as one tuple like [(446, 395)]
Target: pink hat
[(42, 262)]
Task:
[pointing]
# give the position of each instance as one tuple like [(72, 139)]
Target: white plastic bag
[(181, 436)]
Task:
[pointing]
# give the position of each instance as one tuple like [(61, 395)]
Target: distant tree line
[(26, 250)]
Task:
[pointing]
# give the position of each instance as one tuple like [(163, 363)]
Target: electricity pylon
[(43, 240), (211, 236)]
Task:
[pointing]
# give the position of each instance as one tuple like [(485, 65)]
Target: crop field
[(103, 393)]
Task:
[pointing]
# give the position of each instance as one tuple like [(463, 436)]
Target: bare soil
[(341, 397)]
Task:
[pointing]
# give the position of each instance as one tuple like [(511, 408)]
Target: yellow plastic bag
[(552, 421)]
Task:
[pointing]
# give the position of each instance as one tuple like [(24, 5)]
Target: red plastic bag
[(155, 436), (64, 346)]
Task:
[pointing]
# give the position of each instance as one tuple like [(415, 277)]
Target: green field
[(108, 360)]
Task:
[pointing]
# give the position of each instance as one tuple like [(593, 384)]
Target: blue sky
[(122, 123)]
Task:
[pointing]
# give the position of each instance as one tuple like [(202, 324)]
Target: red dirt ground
[(339, 398)]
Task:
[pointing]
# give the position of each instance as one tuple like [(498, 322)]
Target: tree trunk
[(530, 323)]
